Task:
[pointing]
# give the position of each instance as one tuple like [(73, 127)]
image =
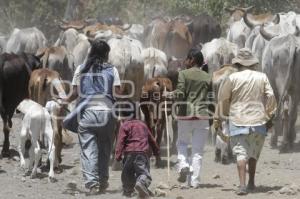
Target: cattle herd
[(150, 57)]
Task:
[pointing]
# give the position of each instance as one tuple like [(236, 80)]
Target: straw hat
[(245, 58)]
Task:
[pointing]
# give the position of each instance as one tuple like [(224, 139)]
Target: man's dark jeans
[(136, 168)]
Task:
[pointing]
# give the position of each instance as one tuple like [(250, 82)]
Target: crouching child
[(134, 142)]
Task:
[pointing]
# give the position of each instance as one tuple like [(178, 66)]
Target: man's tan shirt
[(247, 98)]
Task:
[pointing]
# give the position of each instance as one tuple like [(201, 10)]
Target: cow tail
[(153, 71), (288, 77), (1, 85), (44, 86), (28, 144), (46, 58)]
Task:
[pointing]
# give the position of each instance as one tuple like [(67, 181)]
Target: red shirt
[(134, 136)]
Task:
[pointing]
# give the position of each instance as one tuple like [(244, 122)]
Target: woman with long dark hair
[(93, 86)]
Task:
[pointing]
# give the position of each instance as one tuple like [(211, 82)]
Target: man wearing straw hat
[(247, 98)]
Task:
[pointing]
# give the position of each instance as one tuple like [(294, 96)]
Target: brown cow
[(77, 25), (155, 34), (92, 30), (179, 39), (41, 84), (57, 58), (153, 104), (169, 35)]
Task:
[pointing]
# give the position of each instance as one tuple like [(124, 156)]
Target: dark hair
[(128, 110), (97, 56), (196, 54)]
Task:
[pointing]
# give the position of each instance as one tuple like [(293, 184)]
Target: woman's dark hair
[(97, 56), (196, 54)]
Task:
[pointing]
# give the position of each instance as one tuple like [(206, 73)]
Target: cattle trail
[(275, 172)]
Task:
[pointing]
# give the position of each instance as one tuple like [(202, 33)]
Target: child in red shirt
[(134, 141)]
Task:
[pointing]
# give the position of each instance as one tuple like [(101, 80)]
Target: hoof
[(33, 175), (225, 160), (58, 170), (5, 154), (27, 173), (52, 179), (285, 148), (217, 155)]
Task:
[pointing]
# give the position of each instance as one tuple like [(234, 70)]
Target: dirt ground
[(276, 173)]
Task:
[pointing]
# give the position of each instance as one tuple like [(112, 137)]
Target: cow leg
[(290, 117), (31, 158), (160, 126), (284, 145), (292, 121), (51, 151), (58, 143), (21, 147), (37, 157), (6, 129), (175, 136)]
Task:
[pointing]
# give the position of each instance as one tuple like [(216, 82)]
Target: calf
[(152, 105), (36, 122), (40, 90)]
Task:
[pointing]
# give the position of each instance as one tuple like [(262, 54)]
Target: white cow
[(155, 63), (238, 33), (36, 122), (126, 55), (136, 31), (27, 40), (218, 52)]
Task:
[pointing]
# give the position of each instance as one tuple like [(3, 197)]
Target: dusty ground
[(275, 171)]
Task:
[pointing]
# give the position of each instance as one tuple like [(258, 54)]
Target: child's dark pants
[(136, 168)]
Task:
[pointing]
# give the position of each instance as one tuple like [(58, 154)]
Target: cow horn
[(244, 9), (63, 27), (124, 28), (230, 10), (189, 23), (250, 24), (79, 27), (276, 19), (267, 36)]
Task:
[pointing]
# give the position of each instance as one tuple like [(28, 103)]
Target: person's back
[(133, 143), (248, 97), (196, 88), (192, 91), (138, 137)]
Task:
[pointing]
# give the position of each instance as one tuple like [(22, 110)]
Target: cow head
[(77, 25), (179, 39), (32, 62), (236, 13), (256, 20)]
